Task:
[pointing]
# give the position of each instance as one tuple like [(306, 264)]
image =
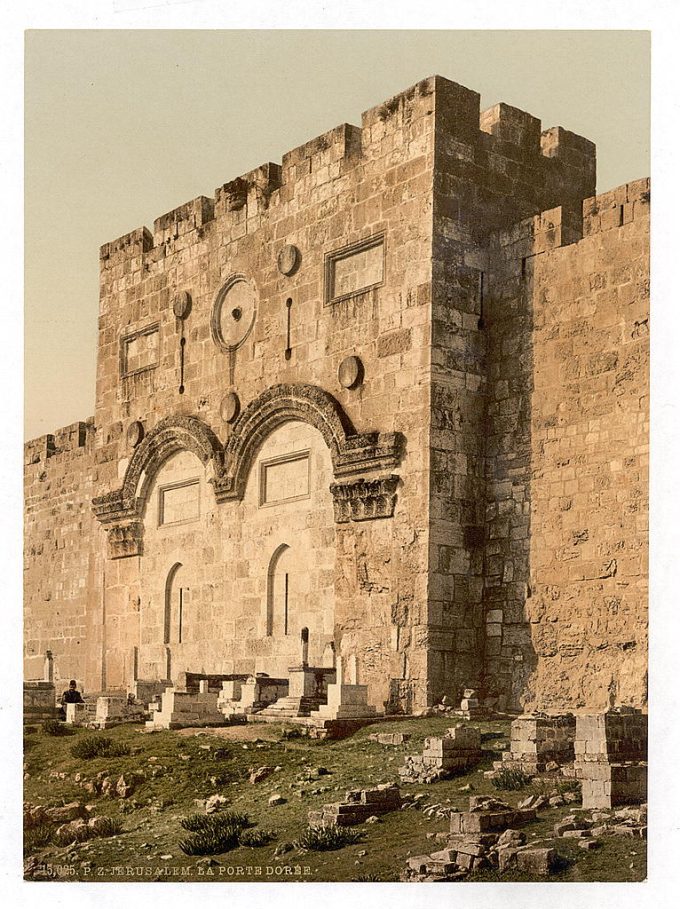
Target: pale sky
[(123, 126)]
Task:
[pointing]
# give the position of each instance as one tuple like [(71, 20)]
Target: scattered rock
[(124, 787), (260, 774), (276, 799), (511, 837), (215, 803), (69, 812)]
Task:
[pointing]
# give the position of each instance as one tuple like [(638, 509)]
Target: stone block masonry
[(539, 741), (487, 815), (39, 701), (391, 393), (359, 805), (611, 758), (458, 750)]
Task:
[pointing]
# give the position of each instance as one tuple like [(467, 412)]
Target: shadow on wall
[(510, 605)]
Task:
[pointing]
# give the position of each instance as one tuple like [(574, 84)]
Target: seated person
[(70, 696)]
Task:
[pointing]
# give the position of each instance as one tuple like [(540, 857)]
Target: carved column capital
[(364, 500), (125, 539)]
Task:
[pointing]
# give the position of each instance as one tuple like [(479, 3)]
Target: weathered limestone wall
[(490, 170), (62, 577), (501, 396), (231, 563), (347, 185), (567, 507)]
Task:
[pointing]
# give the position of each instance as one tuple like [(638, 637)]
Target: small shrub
[(256, 837), (54, 727), (213, 833), (367, 878), (109, 826), (509, 779), (292, 733), (37, 838), (94, 746), (323, 839)]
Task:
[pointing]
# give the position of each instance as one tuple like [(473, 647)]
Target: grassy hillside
[(169, 771)]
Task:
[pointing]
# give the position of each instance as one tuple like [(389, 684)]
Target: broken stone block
[(511, 837), (489, 814), (539, 742), (536, 861), (260, 774), (66, 813)]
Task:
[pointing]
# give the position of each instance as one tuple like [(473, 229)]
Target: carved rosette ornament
[(364, 500)]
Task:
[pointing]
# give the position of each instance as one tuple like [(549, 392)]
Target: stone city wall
[(567, 457), (62, 571), (316, 408)]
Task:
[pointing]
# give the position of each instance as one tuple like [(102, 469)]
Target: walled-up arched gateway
[(236, 544)]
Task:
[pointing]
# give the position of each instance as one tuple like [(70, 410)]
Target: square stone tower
[(322, 405)]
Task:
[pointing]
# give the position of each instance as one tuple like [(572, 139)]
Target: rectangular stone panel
[(355, 268), (284, 479), (140, 351), (179, 503)]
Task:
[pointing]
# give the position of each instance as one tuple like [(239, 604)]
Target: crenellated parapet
[(559, 162)]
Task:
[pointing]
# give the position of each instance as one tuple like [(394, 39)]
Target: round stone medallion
[(288, 259), (351, 372), (230, 407), (233, 312), (135, 433), (181, 304)]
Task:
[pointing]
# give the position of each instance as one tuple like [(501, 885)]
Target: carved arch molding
[(355, 498)]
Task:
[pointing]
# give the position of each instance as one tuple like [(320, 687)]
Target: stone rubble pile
[(359, 805), (611, 757), (488, 814), (458, 750), (492, 845), (540, 743)]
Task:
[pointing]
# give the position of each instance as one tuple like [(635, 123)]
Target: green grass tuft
[(54, 727), (324, 839), (213, 833), (95, 746), (509, 779), (37, 838), (256, 838)]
